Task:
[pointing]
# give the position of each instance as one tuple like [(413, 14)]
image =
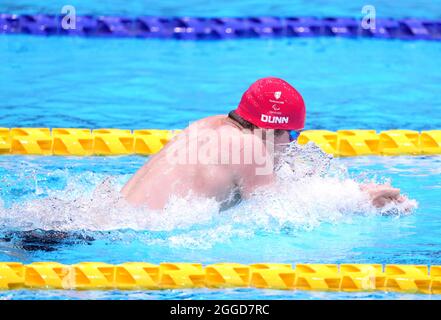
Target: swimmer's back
[(174, 171)]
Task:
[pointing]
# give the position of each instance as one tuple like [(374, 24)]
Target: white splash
[(311, 189)]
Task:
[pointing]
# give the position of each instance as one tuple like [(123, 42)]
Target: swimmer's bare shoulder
[(246, 171)]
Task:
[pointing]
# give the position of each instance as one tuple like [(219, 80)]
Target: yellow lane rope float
[(103, 142), (147, 276)]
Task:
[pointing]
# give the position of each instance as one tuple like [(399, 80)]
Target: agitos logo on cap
[(272, 103)]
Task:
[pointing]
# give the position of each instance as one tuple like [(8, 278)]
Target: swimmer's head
[(272, 103)]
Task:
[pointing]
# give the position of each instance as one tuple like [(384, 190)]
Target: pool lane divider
[(218, 28), (106, 142), (147, 276)]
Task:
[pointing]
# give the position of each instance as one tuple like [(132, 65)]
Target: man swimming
[(227, 157)]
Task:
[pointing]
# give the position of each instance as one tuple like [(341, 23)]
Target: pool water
[(207, 237), (230, 8), (78, 82), (134, 84)]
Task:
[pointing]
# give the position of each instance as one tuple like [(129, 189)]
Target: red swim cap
[(272, 103)]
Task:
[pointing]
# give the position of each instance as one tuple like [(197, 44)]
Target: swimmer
[(227, 157)]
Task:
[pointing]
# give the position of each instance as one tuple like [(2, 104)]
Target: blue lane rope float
[(193, 28)]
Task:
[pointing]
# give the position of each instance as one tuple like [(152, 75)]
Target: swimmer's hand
[(381, 195)]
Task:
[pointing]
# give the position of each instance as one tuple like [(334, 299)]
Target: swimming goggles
[(294, 134)]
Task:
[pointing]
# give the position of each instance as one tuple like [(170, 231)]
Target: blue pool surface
[(357, 238), (231, 8), (138, 83), (346, 83)]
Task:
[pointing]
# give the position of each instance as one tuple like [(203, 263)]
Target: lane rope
[(218, 28), (147, 276), (106, 142)]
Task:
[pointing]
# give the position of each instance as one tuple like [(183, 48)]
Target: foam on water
[(311, 189)]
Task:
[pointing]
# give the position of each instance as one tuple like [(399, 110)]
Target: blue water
[(133, 83), (412, 239), (231, 8), (77, 82)]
